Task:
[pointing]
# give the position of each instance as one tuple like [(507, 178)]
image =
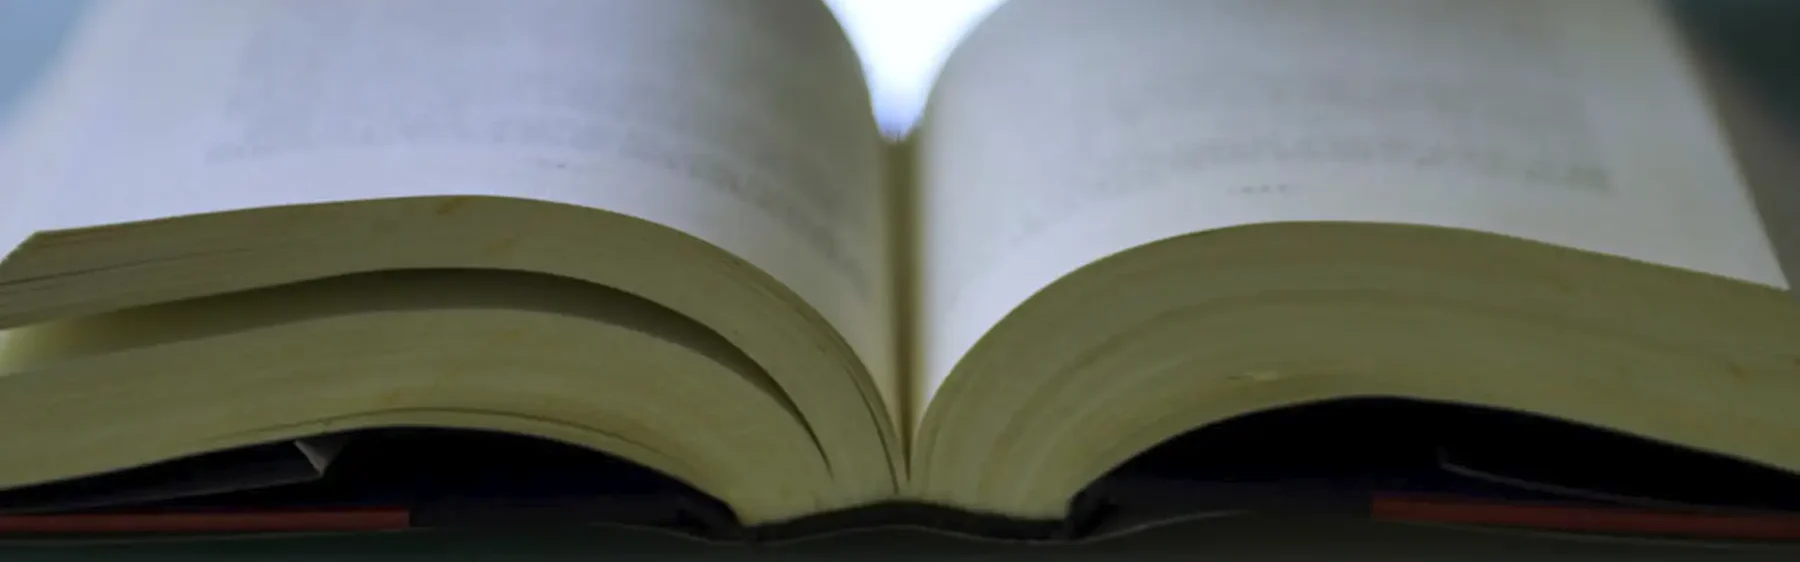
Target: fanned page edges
[(1147, 343), (465, 349), (1303, 312), (1436, 463), (547, 302)]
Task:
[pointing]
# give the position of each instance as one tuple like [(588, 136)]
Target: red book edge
[(362, 519), (1590, 519)]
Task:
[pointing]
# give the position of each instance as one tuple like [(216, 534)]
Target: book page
[(1062, 131), (744, 124), (1764, 134)]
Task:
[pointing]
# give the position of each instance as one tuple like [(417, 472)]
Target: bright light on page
[(902, 44)]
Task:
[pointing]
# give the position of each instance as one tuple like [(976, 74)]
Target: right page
[(1063, 131)]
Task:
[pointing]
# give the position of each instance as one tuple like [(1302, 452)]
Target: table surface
[(1757, 34)]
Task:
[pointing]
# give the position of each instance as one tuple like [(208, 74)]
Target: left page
[(745, 125)]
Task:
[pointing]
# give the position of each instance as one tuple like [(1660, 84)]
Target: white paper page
[(744, 125), (1067, 130)]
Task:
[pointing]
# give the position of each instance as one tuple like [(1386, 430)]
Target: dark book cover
[(1367, 458)]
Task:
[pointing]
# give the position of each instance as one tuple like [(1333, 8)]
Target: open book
[(672, 231)]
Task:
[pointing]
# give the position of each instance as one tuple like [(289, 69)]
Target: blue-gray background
[(31, 31)]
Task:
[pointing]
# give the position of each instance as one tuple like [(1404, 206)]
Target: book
[(672, 232)]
